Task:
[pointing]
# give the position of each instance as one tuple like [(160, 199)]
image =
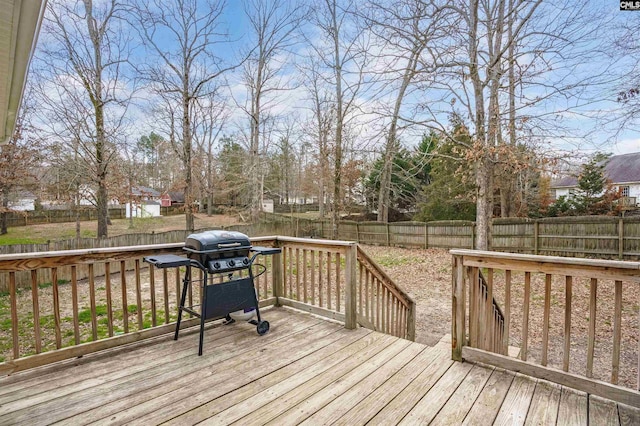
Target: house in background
[(172, 199), (622, 170), (23, 201), (267, 205), (145, 202)]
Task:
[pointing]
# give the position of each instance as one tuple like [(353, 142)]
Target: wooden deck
[(305, 370)]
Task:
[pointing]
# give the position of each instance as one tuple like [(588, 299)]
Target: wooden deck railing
[(576, 321), (337, 280), (382, 305), (102, 298)]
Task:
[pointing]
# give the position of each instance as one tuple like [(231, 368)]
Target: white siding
[(143, 210)]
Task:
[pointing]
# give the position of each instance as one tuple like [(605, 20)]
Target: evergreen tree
[(592, 181), (410, 172), (449, 193)]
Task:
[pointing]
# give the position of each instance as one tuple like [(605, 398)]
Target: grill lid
[(217, 241)]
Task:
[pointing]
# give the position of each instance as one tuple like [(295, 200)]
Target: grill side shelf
[(167, 261)]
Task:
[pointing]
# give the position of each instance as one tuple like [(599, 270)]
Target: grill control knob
[(216, 265), (245, 261), (231, 263)]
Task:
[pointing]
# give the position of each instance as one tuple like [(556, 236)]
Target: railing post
[(411, 323), (278, 275), (350, 297), (457, 308)]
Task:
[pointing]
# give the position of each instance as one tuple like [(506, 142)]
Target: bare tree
[(210, 122), (342, 49), (321, 124), (182, 35), (406, 29), (549, 44), (626, 47), (85, 89), (272, 24)]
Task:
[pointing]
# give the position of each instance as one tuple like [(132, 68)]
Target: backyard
[(37, 234)]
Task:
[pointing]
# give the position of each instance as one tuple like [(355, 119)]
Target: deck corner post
[(351, 263), (457, 308), (278, 275), (411, 323)]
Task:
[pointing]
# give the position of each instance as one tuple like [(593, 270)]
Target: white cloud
[(626, 146)]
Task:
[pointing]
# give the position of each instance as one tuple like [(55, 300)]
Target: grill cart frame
[(217, 257)]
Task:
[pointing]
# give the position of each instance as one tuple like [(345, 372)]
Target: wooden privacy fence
[(23, 279), (587, 236), (61, 216), (578, 325), (48, 323)]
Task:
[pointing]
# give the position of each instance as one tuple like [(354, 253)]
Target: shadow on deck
[(305, 369)]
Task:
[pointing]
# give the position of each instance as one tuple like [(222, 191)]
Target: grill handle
[(229, 245)]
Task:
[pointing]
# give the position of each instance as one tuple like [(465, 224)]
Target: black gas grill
[(218, 253)]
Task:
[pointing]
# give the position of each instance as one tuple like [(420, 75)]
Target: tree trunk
[(483, 168), (392, 146), (101, 164), (76, 207), (186, 140), (337, 177), (484, 205), (5, 214), (384, 193), (101, 140), (508, 181)]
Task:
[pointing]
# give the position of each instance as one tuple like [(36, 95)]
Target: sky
[(608, 138)]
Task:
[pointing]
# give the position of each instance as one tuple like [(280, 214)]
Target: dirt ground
[(426, 276)]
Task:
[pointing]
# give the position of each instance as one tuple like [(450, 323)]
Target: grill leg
[(185, 282), (203, 309), (255, 295)]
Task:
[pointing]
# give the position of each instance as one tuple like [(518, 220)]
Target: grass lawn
[(40, 234)]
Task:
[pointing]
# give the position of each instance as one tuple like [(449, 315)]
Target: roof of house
[(145, 191), (619, 169), (176, 197), (26, 195)]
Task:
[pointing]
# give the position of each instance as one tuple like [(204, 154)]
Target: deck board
[(305, 370), (486, 407), (573, 408), (457, 407), (516, 404), (242, 402), (603, 412), (544, 404)]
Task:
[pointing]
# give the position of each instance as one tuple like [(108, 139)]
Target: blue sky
[(580, 122)]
